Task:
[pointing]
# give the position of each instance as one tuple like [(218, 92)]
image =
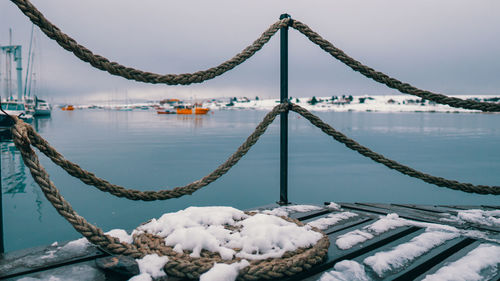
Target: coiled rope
[(115, 68)]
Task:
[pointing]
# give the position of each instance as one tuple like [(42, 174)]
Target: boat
[(201, 110), (16, 108), (29, 105), (182, 109), (165, 111), (68, 108), (42, 108)]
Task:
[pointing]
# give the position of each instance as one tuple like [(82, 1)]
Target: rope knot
[(20, 132)]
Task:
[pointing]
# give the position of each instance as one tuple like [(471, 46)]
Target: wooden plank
[(436, 256), (83, 271), (491, 207), (407, 213), (419, 215), (335, 254), (451, 258), (41, 258), (22, 263), (432, 209)]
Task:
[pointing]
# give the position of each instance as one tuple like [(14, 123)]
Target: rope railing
[(115, 68), (387, 80), (130, 73), (25, 137), (90, 179), (24, 133)]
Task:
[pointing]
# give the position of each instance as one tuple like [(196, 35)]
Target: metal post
[(2, 249), (284, 115)]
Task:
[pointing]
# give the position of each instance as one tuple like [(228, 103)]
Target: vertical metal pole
[(284, 115), (2, 249)]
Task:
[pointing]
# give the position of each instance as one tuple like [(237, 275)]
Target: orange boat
[(201, 110), (165, 112), (184, 110), (69, 107)]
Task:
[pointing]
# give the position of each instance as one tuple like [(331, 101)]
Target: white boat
[(29, 105), (13, 107), (42, 108)]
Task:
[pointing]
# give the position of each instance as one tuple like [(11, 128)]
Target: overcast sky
[(451, 47)]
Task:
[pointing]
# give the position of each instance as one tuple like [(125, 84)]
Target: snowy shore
[(387, 103)]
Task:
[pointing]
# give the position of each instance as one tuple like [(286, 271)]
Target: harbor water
[(146, 151)]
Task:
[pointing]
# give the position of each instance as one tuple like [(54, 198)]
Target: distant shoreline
[(365, 103)]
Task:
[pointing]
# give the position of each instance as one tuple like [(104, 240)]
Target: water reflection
[(196, 120), (14, 174)]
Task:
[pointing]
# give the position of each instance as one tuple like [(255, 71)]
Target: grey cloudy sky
[(447, 46)]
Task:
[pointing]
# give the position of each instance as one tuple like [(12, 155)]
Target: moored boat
[(182, 109), (13, 107), (68, 107), (42, 108), (201, 110), (165, 111)]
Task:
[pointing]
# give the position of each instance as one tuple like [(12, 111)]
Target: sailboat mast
[(28, 66)]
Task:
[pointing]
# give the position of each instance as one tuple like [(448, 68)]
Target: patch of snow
[(331, 219), (121, 234), (82, 272), (141, 277), (482, 263), (54, 244), (405, 253), (152, 265), (48, 278), (389, 222), (333, 206), (489, 218), (202, 228), (348, 240), (224, 272), (76, 245), (346, 270), (263, 236), (49, 254), (287, 210)]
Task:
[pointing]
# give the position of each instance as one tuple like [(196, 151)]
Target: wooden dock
[(44, 262)]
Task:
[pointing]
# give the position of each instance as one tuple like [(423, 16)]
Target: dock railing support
[(2, 249), (284, 115)]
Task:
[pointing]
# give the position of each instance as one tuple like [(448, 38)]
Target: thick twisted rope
[(387, 80), (89, 231), (379, 158), (115, 68), (103, 185), (180, 264)]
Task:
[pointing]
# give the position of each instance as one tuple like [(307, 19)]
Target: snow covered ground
[(386, 103), (265, 235)]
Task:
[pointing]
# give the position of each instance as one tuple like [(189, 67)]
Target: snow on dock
[(367, 242)]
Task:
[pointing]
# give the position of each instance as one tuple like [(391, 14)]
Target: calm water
[(144, 150)]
